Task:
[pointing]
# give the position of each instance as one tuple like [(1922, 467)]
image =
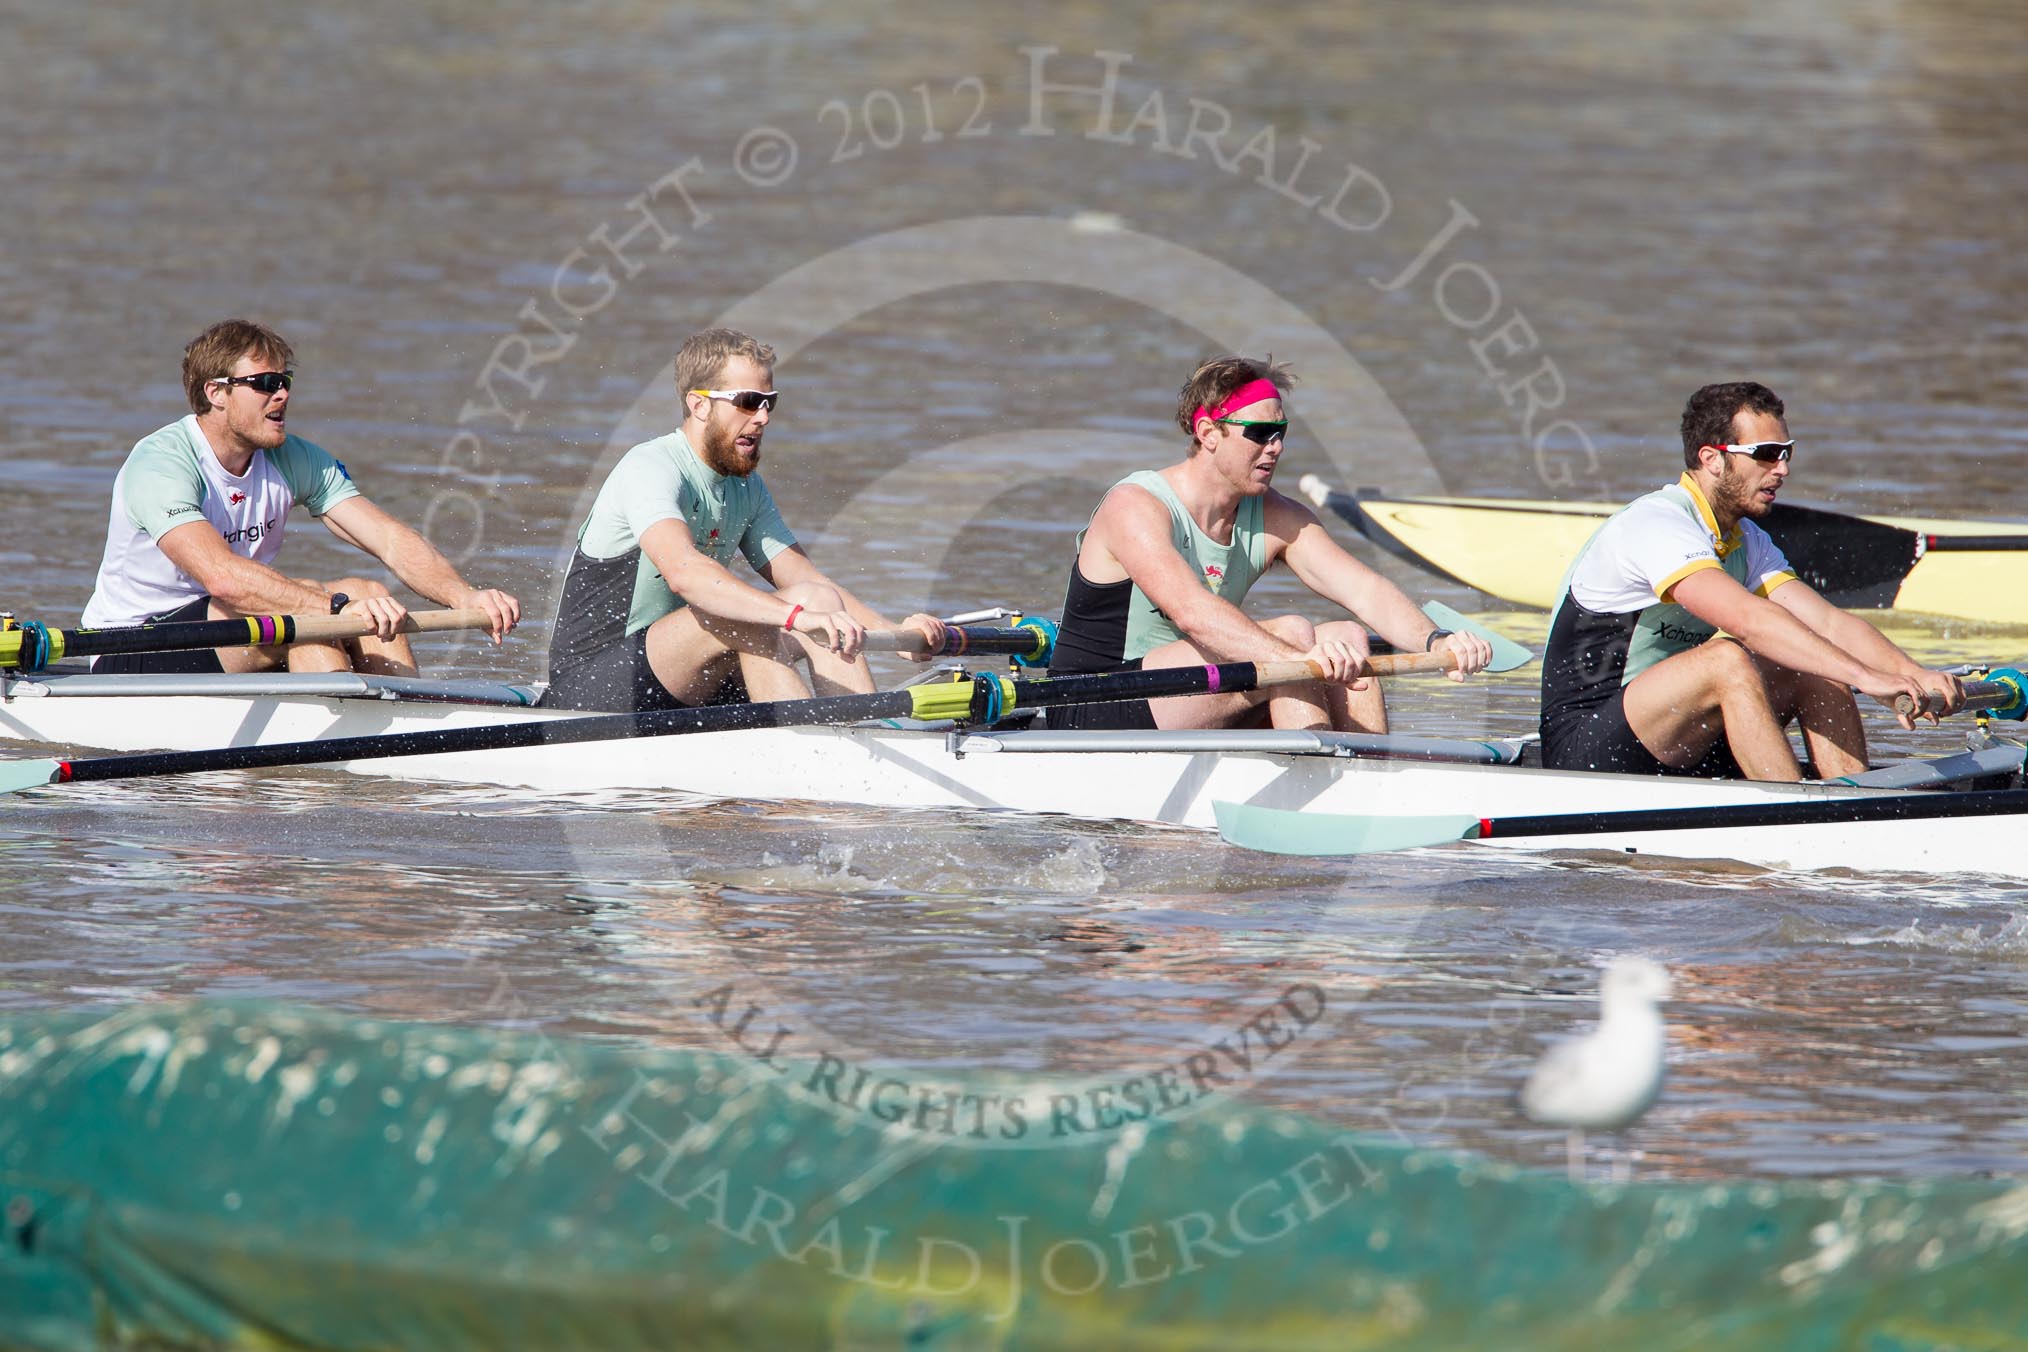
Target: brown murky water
[(485, 228)]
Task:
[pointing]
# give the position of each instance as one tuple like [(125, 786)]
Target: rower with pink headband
[(1169, 556), (1253, 392)]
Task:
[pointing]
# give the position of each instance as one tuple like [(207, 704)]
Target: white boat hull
[(1027, 772)]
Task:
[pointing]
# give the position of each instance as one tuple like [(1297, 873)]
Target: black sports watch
[(1429, 644), (339, 600)]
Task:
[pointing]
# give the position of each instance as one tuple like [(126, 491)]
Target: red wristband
[(790, 623)]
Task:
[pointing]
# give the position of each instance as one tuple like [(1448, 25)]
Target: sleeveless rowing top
[(1107, 625)]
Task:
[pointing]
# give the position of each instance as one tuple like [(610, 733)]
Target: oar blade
[(1281, 831), (1507, 654), (27, 774)]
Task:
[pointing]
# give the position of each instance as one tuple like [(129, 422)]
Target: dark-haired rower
[(1636, 675)]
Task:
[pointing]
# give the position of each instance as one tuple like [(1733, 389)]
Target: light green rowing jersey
[(613, 589), (1226, 570)]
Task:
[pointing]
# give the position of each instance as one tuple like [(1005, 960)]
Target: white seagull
[(1605, 1079)]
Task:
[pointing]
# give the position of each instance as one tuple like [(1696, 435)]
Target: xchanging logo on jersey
[(250, 534)]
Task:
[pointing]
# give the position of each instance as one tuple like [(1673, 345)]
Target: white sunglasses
[(746, 401)]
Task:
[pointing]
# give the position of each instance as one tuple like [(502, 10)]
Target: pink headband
[(1250, 393)]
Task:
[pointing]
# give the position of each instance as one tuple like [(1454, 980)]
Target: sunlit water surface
[(1826, 196)]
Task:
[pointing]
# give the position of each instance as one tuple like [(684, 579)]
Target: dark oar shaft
[(248, 631), (1943, 544), (1909, 807), (956, 699), (963, 641), (499, 736)]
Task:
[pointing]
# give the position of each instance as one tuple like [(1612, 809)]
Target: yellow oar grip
[(953, 699), (14, 635)]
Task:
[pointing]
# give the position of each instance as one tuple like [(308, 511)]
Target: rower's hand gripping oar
[(34, 646), (1285, 831), (977, 699), (2003, 694)]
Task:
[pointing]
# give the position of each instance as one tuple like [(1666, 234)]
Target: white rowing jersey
[(173, 478), (1617, 617)]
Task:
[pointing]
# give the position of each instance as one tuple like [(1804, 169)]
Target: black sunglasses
[(266, 382), (1259, 433)]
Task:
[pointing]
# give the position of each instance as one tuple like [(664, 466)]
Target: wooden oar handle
[(315, 628), (895, 641), (1382, 664), (1402, 664), (1905, 706)]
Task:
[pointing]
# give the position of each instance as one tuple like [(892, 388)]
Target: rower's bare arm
[(1854, 635), (704, 582), (239, 584), (792, 567), (1322, 565), (1772, 632), (1131, 532), (420, 565)]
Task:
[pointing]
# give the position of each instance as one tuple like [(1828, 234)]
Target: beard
[(1734, 498), (721, 456)]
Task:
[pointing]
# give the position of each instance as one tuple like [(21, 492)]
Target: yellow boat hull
[(1518, 551)]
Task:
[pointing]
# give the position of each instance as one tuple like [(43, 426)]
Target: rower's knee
[(1729, 662), (1347, 630), (1293, 630), (1731, 672), (356, 587)]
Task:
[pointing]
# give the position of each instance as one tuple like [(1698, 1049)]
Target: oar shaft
[(1900, 807), (494, 737), (969, 639), (1937, 544), (980, 698), (944, 700), (960, 641), (248, 631)]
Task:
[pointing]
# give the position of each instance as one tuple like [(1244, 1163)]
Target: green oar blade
[(1279, 831), (1507, 654), (27, 774)]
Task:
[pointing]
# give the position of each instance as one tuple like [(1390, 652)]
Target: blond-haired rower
[(652, 614)]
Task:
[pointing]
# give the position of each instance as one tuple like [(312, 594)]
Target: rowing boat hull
[(1519, 550), (1171, 779)]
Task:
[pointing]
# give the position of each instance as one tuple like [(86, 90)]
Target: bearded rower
[(1636, 676), (652, 616), (1169, 555)]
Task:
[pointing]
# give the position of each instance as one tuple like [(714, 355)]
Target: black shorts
[(199, 662), (1599, 739), (1117, 715), (617, 679)]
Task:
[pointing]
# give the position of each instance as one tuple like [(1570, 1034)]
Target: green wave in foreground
[(249, 1176)]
